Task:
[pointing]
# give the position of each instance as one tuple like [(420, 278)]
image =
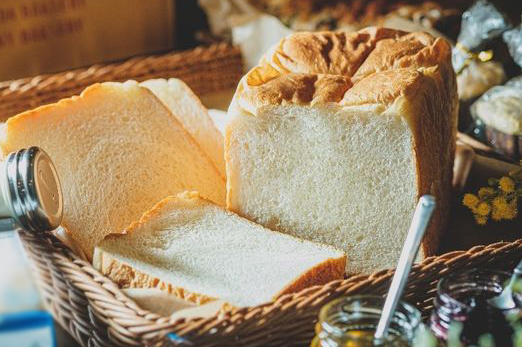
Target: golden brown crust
[(413, 50), (435, 126), (128, 277), (318, 68), (333, 53), (38, 113), (148, 215), (300, 89), (327, 271), (392, 84)]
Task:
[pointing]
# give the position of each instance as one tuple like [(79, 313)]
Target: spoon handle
[(518, 269), (516, 274), (420, 221)]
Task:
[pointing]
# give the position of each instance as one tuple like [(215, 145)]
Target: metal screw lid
[(34, 190)]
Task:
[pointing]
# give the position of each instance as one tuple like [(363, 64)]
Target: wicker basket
[(97, 313), (204, 69)]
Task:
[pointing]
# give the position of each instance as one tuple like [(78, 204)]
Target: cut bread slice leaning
[(189, 110), (333, 137), (118, 151), (200, 252)]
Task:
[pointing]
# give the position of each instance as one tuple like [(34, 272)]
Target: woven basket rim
[(205, 51), (204, 69), (106, 296)]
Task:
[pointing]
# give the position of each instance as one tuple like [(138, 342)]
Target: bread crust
[(127, 276), (302, 68), (323, 273), (409, 74)]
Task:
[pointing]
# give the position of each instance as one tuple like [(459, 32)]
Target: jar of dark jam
[(462, 298), (352, 321)]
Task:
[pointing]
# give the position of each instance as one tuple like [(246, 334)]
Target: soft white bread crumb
[(331, 176), (189, 110), (118, 151), (200, 252), (334, 136)]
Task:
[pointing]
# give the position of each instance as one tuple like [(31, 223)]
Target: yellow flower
[(481, 220), (511, 211), (486, 192), (483, 209), (499, 201), (496, 215), (504, 210), (506, 184), (470, 200), (500, 205)]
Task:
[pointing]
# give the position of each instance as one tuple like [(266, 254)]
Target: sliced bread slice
[(118, 151), (200, 252), (189, 110)]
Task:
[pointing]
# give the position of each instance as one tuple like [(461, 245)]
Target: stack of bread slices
[(329, 143)]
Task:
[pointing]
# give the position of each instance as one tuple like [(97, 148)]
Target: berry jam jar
[(352, 321), (463, 297)]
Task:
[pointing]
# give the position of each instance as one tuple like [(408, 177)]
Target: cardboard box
[(44, 36)]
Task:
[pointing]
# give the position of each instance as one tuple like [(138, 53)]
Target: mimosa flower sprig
[(498, 201)]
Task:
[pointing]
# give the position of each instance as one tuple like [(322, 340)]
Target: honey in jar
[(352, 321)]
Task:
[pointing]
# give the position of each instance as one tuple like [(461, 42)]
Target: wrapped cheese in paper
[(481, 23), (498, 112), (472, 57), (513, 39)]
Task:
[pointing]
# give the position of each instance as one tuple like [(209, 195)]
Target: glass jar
[(352, 321), (30, 191), (462, 297)]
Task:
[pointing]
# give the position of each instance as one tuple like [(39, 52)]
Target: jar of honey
[(352, 321)]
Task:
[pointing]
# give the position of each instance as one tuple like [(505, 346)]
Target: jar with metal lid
[(30, 192), (352, 321), (462, 301)]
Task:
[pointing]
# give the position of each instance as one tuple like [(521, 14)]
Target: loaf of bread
[(200, 252), (194, 117), (334, 136), (118, 151)]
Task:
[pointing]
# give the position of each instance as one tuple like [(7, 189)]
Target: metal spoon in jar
[(504, 300), (420, 221)]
